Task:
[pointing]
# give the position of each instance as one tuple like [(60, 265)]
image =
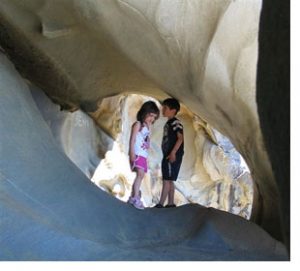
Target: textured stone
[(196, 51)]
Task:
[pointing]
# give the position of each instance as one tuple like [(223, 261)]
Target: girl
[(138, 148)]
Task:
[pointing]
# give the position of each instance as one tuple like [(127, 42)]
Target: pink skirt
[(140, 162)]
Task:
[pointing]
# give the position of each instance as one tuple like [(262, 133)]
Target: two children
[(172, 148)]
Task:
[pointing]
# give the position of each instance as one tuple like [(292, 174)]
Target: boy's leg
[(171, 193), (165, 167), (175, 167), (164, 192)]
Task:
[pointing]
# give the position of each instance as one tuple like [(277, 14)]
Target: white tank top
[(142, 142)]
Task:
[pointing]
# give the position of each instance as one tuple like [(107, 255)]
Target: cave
[(80, 54)]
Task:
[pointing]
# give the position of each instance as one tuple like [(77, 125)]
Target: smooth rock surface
[(51, 211)]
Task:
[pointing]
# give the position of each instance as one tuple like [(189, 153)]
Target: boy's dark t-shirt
[(171, 128)]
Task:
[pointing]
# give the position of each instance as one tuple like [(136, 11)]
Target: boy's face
[(167, 112)]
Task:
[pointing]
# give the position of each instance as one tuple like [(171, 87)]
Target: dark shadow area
[(273, 98)]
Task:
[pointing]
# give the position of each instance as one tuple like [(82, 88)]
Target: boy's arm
[(172, 155)]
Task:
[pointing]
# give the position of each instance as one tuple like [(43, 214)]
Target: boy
[(173, 150)]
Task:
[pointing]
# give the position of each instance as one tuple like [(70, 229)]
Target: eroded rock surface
[(80, 52), (51, 211)]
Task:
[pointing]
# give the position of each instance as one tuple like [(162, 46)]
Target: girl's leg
[(137, 182)]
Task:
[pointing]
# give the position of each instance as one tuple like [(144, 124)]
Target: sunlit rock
[(202, 52), (210, 173), (76, 133), (207, 182)]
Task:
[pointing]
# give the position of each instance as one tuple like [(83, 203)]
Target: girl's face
[(150, 118)]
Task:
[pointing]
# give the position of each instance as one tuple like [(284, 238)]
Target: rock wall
[(211, 173), (202, 52), (273, 98), (51, 211)]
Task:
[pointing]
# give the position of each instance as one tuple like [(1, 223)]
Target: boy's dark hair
[(147, 107), (172, 103)]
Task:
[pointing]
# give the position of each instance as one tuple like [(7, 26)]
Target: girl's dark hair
[(147, 108), (172, 103)]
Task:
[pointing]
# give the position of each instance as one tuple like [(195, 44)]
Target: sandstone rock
[(80, 52)]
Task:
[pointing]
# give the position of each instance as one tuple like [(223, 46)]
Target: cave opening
[(219, 75), (213, 173)]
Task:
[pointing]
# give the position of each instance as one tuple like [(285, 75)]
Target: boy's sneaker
[(137, 203), (170, 206)]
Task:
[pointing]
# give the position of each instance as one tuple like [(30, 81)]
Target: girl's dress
[(142, 144)]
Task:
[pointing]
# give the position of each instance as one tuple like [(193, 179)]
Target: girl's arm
[(134, 130)]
